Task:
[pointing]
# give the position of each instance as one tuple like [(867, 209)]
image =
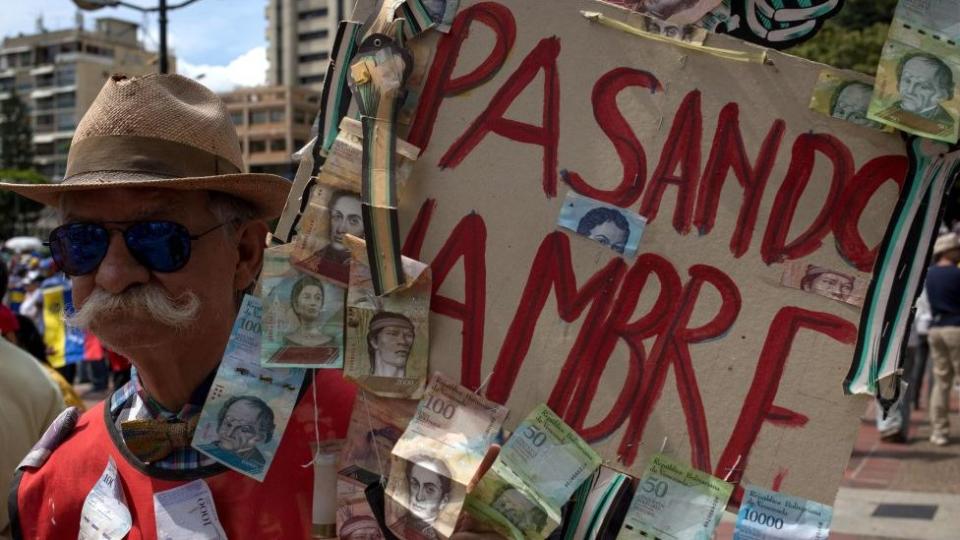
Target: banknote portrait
[(248, 406), (850, 102), (916, 85), (375, 426), (825, 282), (331, 213), (428, 491), (360, 528), (387, 337), (614, 227), (303, 317), (519, 510), (243, 424)]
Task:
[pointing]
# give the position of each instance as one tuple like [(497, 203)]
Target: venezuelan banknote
[(769, 515), (537, 471), (302, 315), (249, 406), (675, 502), (437, 457), (387, 337)]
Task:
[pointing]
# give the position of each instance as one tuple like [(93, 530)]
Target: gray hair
[(231, 209)]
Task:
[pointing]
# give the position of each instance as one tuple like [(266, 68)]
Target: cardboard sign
[(694, 338)]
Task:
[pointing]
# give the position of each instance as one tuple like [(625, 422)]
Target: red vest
[(49, 499)]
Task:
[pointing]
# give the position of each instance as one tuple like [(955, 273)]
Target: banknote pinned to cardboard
[(249, 406), (770, 515), (302, 315), (387, 337), (675, 501), (826, 282), (436, 458), (611, 226), (845, 96), (537, 471), (917, 84)]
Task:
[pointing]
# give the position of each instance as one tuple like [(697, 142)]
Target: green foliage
[(16, 137), (853, 38), (16, 212)]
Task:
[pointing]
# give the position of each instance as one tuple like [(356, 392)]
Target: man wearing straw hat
[(943, 292), (162, 233)]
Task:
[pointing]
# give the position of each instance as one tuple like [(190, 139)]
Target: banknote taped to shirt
[(249, 406)]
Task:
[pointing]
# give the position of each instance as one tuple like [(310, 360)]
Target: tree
[(853, 38), (16, 212), (16, 138)]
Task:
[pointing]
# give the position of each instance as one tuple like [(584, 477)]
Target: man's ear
[(251, 241)]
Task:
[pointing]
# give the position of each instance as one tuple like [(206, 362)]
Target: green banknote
[(538, 469), (675, 502)]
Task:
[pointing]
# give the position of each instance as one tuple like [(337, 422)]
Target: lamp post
[(161, 9)]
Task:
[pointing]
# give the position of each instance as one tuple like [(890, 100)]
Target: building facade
[(300, 36), (272, 122), (57, 74)]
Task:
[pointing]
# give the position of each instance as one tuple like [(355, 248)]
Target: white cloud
[(248, 69)]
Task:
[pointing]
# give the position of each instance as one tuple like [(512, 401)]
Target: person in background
[(921, 327), (30, 402), (8, 320), (943, 291)]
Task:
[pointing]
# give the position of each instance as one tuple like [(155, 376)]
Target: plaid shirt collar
[(132, 402)]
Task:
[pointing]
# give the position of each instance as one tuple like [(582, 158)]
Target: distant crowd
[(35, 294)]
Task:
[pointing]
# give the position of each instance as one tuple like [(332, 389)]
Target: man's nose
[(119, 270), (418, 494)]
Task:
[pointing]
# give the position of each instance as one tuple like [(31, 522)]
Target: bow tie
[(153, 440)]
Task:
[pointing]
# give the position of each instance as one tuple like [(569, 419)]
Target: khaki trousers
[(945, 357)]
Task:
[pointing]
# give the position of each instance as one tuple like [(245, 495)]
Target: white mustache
[(150, 300)]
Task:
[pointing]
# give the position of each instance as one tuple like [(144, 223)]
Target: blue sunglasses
[(161, 246)]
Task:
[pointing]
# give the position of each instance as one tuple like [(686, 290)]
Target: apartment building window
[(66, 75), (65, 122), (314, 57), (62, 146), (257, 147), (276, 116), (312, 14), (66, 100), (43, 123), (44, 104), (7, 84), (261, 116), (44, 80), (310, 36), (278, 145), (311, 79), (43, 149), (299, 116), (237, 118), (298, 143)]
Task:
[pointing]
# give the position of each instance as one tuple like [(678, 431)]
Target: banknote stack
[(598, 507), (675, 501), (249, 406), (537, 471), (917, 83), (436, 458), (387, 343)]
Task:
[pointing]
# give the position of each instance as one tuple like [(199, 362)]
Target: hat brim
[(266, 192)]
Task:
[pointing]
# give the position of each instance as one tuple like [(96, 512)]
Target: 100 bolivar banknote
[(537, 471), (436, 458)]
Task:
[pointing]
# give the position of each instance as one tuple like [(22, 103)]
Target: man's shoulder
[(71, 438)]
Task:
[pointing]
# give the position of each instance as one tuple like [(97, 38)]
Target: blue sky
[(224, 40)]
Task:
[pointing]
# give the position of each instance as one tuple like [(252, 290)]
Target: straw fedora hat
[(159, 131)]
